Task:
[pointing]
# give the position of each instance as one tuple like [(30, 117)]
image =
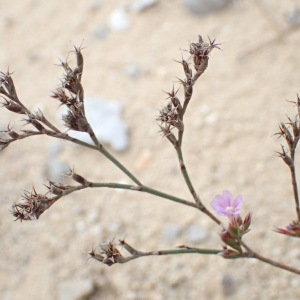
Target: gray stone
[(55, 148), (132, 71), (75, 289), (228, 285), (97, 5), (81, 227), (196, 234), (105, 119), (101, 33), (55, 168), (204, 6), (293, 17), (119, 20), (171, 232), (142, 5)]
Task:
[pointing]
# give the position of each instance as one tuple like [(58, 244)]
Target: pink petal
[(217, 204), (237, 211), (238, 201), (227, 198)]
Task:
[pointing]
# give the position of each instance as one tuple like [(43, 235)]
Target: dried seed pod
[(75, 119), (109, 254), (200, 51), (57, 188), (286, 158), (287, 135), (79, 60), (14, 107), (166, 130), (31, 206), (78, 178)]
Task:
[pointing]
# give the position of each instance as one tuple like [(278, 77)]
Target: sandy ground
[(228, 144)]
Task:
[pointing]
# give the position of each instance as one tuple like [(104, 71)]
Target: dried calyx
[(108, 255), (31, 205)]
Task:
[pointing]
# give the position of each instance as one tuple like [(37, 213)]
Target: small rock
[(171, 232), (143, 160), (93, 216), (95, 230), (294, 282), (211, 118), (204, 6), (96, 5), (78, 209), (205, 110), (7, 295), (81, 227), (142, 5), (55, 148), (132, 71), (293, 17), (75, 289), (196, 234), (105, 119), (114, 226), (55, 169), (101, 32), (119, 20), (228, 285)]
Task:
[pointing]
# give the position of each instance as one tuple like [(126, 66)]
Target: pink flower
[(225, 206)]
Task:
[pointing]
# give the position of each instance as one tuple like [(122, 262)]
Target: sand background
[(228, 144)]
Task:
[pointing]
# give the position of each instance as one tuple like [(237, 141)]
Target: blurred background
[(228, 144)]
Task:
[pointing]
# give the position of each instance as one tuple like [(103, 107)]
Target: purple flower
[(225, 206)]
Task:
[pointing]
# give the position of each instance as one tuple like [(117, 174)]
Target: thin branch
[(110, 255), (295, 190), (269, 261)]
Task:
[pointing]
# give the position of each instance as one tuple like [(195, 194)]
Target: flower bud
[(247, 221)]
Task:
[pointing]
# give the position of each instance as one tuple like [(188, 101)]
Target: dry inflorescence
[(171, 122)]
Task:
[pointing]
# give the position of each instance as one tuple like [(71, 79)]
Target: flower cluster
[(31, 206), (292, 229), (75, 118), (109, 254), (200, 51)]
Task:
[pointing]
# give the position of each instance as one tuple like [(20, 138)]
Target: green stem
[(119, 165), (295, 190), (143, 189), (180, 137), (186, 176), (182, 251), (254, 254), (98, 147)]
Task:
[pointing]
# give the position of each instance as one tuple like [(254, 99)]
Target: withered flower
[(13, 106), (166, 131), (169, 114), (78, 178), (31, 206), (57, 188), (75, 119), (60, 94), (109, 254)]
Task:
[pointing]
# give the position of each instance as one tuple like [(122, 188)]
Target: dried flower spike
[(109, 254), (31, 206)]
